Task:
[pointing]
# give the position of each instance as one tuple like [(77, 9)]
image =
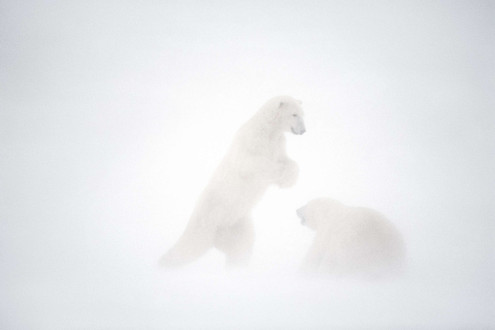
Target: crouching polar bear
[(256, 159), (351, 241)]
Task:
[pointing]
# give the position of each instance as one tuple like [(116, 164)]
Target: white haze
[(114, 114)]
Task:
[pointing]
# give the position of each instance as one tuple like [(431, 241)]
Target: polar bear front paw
[(289, 174)]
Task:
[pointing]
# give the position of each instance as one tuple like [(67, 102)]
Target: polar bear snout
[(298, 132), (298, 128), (299, 213)]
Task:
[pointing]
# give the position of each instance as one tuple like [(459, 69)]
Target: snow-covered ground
[(113, 115)]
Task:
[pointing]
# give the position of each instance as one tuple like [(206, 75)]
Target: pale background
[(114, 114)]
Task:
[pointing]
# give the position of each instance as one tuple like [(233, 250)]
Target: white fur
[(353, 241), (256, 159)]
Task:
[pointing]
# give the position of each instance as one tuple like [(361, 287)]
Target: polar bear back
[(351, 240), (362, 241)]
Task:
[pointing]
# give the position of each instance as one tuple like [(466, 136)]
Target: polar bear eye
[(294, 115)]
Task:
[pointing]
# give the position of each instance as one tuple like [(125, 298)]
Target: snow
[(114, 116)]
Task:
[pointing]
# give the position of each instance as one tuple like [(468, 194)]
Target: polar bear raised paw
[(289, 174)]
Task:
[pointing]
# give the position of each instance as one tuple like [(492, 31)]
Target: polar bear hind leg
[(236, 242), (193, 243)]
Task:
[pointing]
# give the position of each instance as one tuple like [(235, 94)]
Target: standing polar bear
[(256, 159), (351, 241)]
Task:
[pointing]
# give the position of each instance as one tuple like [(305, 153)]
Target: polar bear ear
[(299, 102)]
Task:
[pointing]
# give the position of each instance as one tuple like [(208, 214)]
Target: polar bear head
[(285, 114), (320, 212)]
